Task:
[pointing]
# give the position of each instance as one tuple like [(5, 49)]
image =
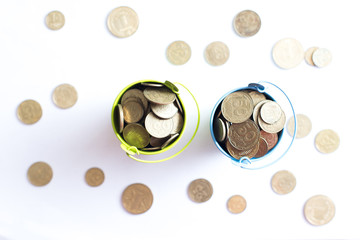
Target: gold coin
[(137, 198), (319, 210), (55, 20), (308, 55), (287, 53), (247, 23), (237, 107), (236, 204), (245, 135), (200, 190), (303, 126), (39, 174), (217, 53), (94, 177), (122, 22), (327, 141), (136, 135), (283, 182), (29, 112), (133, 112), (64, 96), (178, 52)]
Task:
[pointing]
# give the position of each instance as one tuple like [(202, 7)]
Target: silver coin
[(178, 123), (164, 110), (134, 93), (270, 112), (287, 53), (158, 127), (170, 140), (319, 210), (122, 22), (219, 130), (161, 95), (303, 126), (321, 57), (273, 128), (217, 53), (256, 111)]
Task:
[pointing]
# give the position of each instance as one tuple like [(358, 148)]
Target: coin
[(271, 138), (219, 130), (179, 105), (200, 190), (273, 128), (39, 174), (122, 22), (238, 154), (327, 141), (161, 95), (308, 55), (270, 112), (158, 127), (158, 142), (256, 97), (136, 135), (133, 112), (164, 110), (178, 123), (263, 148), (321, 57), (236, 204), (319, 210), (94, 177), (170, 140), (137, 198), (132, 94), (121, 118), (287, 53), (247, 23), (283, 182), (178, 52), (237, 107), (29, 112), (256, 111), (64, 96), (55, 20), (244, 135), (303, 126), (217, 53), (151, 84)]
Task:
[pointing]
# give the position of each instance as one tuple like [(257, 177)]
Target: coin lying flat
[(29, 112), (158, 127), (65, 96), (271, 138), (122, 22), (287, 53), (134, 95), (236, 204), (178, 52), (136, 135), (164, 110), (237, 107), (178, 123), (319, 210), (39, 174), (263, 148), (247, 23), (200, 190), (55, 20), (308, 55), (137, 198), (133, 112), (256, 111), (321, 57), (270, 112), (161, 95), (244, 135), (303, 126), (273, 128), (283, 182), (217, 53), (94, 177), (327, 141)]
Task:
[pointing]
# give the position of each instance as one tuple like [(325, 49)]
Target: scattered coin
[(303, 126), (29, 112), (64, 96), (94, 177), (178, 52), (158, 127), (217, 53), (136, 135), (271, 138), (247, 23), (321, 57), (263, 148), (327, 141), (237, 107), (200, 190), (236, 204), (219, 130), (308, 55), (55, 20), (245, 135), (161, 95), (283, 182), (287, 53), (133, 112), (122, 22), (39, 174), (319, 210), (137, 198), (270, 112), (164, 110)]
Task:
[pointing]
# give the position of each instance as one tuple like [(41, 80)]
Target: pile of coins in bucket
[(149, 116), (247, 124)]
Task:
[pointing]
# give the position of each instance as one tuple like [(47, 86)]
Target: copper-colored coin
[(137, 198), (319, 210), (136, 135), (39, 174), (244, 135), (200, 190), (237, 107), (29, 112), (308, 55), (237, 154), (94, 177), (55, 20), (263, 148), (271, 138), (65, 96), (133, 112), (164, 110), (247, 23), (327, 141), (283, 182), (236, 204)]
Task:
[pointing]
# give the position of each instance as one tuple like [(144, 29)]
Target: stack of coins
[(149, 116), (248, 123)]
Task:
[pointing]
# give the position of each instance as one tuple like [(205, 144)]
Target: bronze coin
[(39, 174), (237, 154), (94, 177), (200, 190), (263, 148), (271, 138), (137, 198), (244, 135), (29, 112), (236, 204)]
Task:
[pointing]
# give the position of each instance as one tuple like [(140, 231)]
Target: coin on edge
[(65, 96), (303, 126), (29, 111), (236, 204), (247, 23), (55, 20), (137, 198), (122, 22), (308, 55), (178, 52), (283, 182), (321, 57), (200, 190), (94, 177), (217, 53), (319, 210), (327, 141), (287, 53), (39, 174)]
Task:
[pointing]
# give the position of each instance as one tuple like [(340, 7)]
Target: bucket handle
[(134, 150)]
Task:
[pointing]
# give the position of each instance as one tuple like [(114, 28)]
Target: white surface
[(34, 60)]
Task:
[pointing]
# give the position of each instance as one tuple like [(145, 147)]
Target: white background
[(34, 60)]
